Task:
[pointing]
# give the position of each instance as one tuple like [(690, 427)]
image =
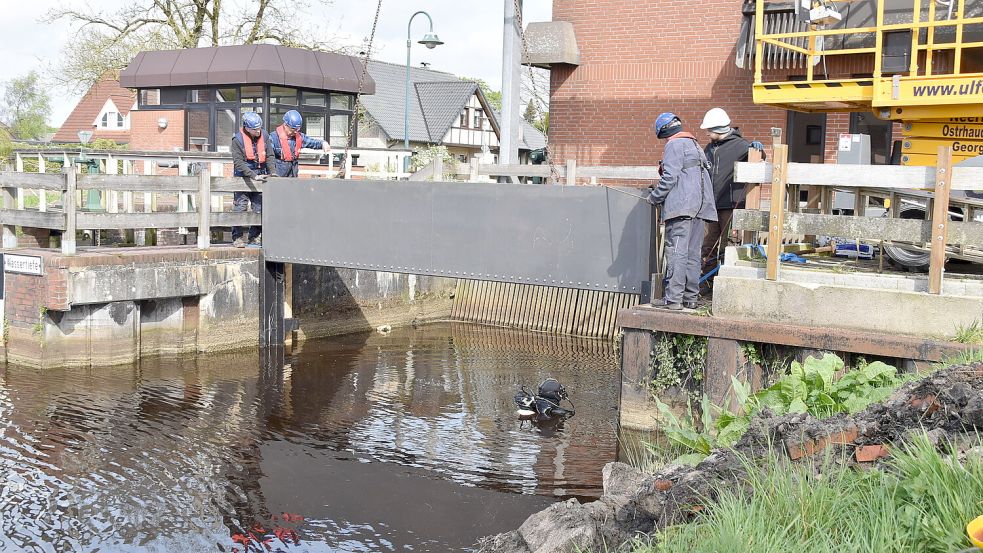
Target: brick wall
[(640, 58), (145, 134)]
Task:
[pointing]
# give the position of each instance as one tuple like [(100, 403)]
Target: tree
[(494, 97), (106, 40), (26, 107), (532, 112), (543, 123)]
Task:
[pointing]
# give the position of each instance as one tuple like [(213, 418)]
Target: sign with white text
[(23, 264)]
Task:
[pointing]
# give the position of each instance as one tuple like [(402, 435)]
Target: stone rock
[(561, 527), (509, 542), (972, 414), (621, 479)]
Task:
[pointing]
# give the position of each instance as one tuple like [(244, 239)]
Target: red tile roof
[(89, 107)]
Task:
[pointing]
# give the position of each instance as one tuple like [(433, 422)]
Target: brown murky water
[(404, 442)]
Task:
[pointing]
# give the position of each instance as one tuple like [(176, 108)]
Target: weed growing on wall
[(678, 360)]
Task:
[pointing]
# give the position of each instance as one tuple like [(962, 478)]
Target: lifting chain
[(342, 171), (554, 174)]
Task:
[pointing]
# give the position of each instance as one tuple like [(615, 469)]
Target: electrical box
[(853, 149)]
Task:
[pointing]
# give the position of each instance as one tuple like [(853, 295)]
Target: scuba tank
[(546, 402)]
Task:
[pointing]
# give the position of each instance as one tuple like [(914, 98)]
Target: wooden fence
[(937, 235)]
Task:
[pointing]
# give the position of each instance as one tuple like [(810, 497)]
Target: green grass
[(969, 334), (921, 502)]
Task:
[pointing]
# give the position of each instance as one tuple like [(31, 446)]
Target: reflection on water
[(359, 443)]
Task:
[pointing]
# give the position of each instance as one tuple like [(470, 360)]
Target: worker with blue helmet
[(287, 142), (685, 193), (254, 160)]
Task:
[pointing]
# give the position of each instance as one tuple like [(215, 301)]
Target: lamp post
[(431, 41)]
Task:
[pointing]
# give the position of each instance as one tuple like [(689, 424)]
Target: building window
[(340, 127), (314, 99), (150, 97), (283, 95), (173, 96), (464, 119), (200, 96), (227, 94), (111, 119), (343, 102), (478, 116)]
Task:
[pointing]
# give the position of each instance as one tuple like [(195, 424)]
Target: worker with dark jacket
[(686, 195), (287, 142), (253, 159), (726, 148)]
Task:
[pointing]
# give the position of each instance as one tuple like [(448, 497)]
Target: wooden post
[(9, 231), (288, 301), (68, 200), (348, 166), (204, 205), (776, 219), (42, 194), (183, 198), (940, 219), (571, 176)]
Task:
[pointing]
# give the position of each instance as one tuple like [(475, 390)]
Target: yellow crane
[(918, 62)]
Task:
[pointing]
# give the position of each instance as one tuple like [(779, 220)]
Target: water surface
[(399, 442)]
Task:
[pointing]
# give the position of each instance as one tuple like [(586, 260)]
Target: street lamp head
[(430, 40)]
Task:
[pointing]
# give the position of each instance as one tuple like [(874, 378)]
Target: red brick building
[(640, 58), (104, 110)]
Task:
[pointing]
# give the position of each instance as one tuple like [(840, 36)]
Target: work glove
[(758, 146), (261, 178), (326, 148)]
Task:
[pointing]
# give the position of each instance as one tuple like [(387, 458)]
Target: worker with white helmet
[(726, 148)]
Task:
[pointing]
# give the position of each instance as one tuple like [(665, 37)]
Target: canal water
[(400, 442)]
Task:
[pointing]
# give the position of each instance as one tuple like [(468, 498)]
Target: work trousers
[(240, 204), (684, 242), (717, 239)]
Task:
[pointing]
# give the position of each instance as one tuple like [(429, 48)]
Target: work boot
[(239, 242), (665, 304), (691, 304), (256, 242)]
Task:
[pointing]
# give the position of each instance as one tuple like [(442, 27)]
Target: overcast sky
[(471, 29)]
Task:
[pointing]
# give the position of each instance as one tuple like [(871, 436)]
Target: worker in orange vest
[(287, 142)]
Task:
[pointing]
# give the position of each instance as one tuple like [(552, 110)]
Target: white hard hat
[(714, 118)]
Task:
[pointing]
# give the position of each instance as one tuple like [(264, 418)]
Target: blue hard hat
[(252, 120), (293, 119), (665, 121)]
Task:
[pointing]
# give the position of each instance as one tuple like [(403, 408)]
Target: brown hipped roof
[(246, 64), (88, 109)]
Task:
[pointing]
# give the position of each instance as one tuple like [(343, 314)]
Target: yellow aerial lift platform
[(919, 62)]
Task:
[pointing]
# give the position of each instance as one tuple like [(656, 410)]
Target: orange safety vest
[(281, 133), (247, 141)]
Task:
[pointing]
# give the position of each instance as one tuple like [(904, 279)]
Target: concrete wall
[(99, 308), (329, 301)]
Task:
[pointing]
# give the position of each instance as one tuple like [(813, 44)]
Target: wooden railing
[(938, 235), (68, 217)]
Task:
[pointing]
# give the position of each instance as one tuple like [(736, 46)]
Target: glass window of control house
[(252, 94), (314, 98), (340, 126), (150, 97), (200, 95), (342, 102), (229, 94), (283, 95), (225, 127)]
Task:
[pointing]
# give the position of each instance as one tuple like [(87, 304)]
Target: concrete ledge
[(835, 307), (549, 43), (952, 286), (789, 334)]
